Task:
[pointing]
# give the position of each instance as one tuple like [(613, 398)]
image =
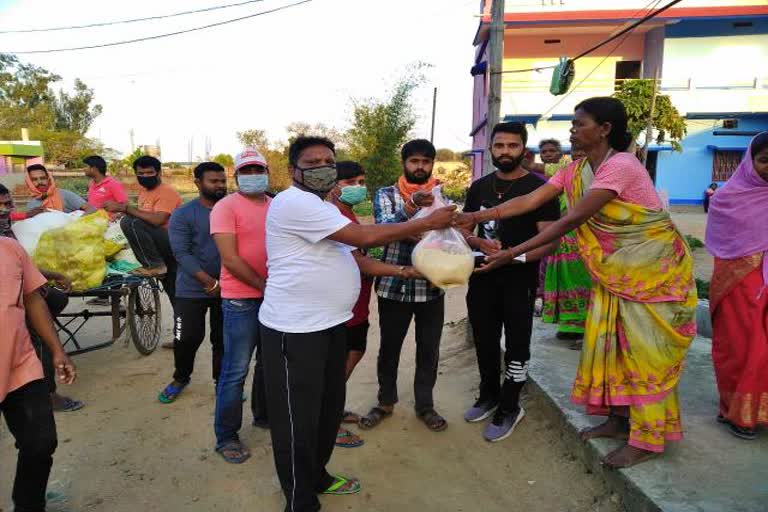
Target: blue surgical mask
[(253, 183), (353, 194)]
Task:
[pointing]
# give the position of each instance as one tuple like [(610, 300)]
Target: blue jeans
[(241, 338)]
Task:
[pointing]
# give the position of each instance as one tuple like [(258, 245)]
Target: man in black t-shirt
[(503, 296)]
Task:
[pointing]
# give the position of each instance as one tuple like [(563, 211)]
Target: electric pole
[(495, 64), (434, 108)]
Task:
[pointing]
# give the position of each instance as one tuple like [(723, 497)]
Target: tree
[(224, 159), (446, 155), (75, 112), (27, 100), (254, 139), (26, 97), (319, 130), (637, 95), (379, 129)]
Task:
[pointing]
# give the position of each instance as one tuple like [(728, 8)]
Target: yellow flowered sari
[(642, 315)]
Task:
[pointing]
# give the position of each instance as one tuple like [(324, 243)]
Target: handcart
[(134, 302)]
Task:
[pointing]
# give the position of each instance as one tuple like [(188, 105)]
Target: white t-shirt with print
[(313, 282)]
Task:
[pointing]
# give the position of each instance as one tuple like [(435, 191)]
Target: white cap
[(249, 156)]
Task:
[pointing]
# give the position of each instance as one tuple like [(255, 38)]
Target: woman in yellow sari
[(641, 318)]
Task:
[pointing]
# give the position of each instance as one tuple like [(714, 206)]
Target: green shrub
[(364, 209), (693, 242), (76, 184), (376, 252), (702, 287)]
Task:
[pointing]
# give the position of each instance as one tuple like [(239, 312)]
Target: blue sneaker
[(480, 411), (503, 425)]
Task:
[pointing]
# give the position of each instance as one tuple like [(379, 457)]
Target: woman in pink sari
[(738, 238)]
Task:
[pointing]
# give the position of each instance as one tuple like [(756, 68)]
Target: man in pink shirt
[(24, 399), (102, 188), (238, 228)]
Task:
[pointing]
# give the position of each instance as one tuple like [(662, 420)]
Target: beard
[(417, 180), (508, 165), (213, 195)]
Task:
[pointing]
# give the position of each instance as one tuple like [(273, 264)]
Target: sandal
[(347, 439), (69, 405), (433, 421), (373, 418), (238, 453), (342, 486), (350, 417), (740, 432), (170, 393)]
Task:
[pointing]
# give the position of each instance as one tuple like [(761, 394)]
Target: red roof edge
[(675, 12)]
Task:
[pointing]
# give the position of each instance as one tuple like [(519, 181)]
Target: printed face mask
[(320, 179)]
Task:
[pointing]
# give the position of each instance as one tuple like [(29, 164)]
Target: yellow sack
[(76, 251), (111, 248)]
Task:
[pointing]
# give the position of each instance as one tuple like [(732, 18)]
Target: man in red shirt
[(24, 399), (102, 188), (349, 191)]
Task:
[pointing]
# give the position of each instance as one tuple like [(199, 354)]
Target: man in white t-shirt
[(313, 283)]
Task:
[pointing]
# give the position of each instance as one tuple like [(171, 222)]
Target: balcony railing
[(673, 84)]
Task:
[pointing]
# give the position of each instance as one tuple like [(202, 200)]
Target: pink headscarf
[(736, 226)]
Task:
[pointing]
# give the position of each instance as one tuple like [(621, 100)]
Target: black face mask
[(214, 195), (5, 224), (148, 182), (508, 166)]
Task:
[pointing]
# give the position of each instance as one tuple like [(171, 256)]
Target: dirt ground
[(126, 452), (692, 221)]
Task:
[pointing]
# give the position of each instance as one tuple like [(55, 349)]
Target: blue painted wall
[(711, 27), (686, 175)]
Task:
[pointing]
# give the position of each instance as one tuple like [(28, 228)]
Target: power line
[(629, 28), (161, 36), (626, 33), (559, 101), (135, 20), (615, 36)]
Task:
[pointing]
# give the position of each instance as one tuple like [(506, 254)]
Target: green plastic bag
[(562, 77)]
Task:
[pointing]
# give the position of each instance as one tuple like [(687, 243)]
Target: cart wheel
[(144, 319)]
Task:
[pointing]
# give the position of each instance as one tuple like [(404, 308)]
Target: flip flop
[(339, 482), (350, 417), (234, 446), (69, 405), (347, 439), (170, 393)]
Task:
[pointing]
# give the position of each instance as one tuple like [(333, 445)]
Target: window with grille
[(724, 163)]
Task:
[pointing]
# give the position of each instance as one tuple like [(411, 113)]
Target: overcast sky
[(306, 63)]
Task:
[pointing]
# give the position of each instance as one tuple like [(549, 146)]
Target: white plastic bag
[(443, 256), (28, 231)]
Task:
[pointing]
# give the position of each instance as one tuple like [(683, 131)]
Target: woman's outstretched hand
[(465, 221)]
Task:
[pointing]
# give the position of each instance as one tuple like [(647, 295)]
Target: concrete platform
[(709, 471)]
